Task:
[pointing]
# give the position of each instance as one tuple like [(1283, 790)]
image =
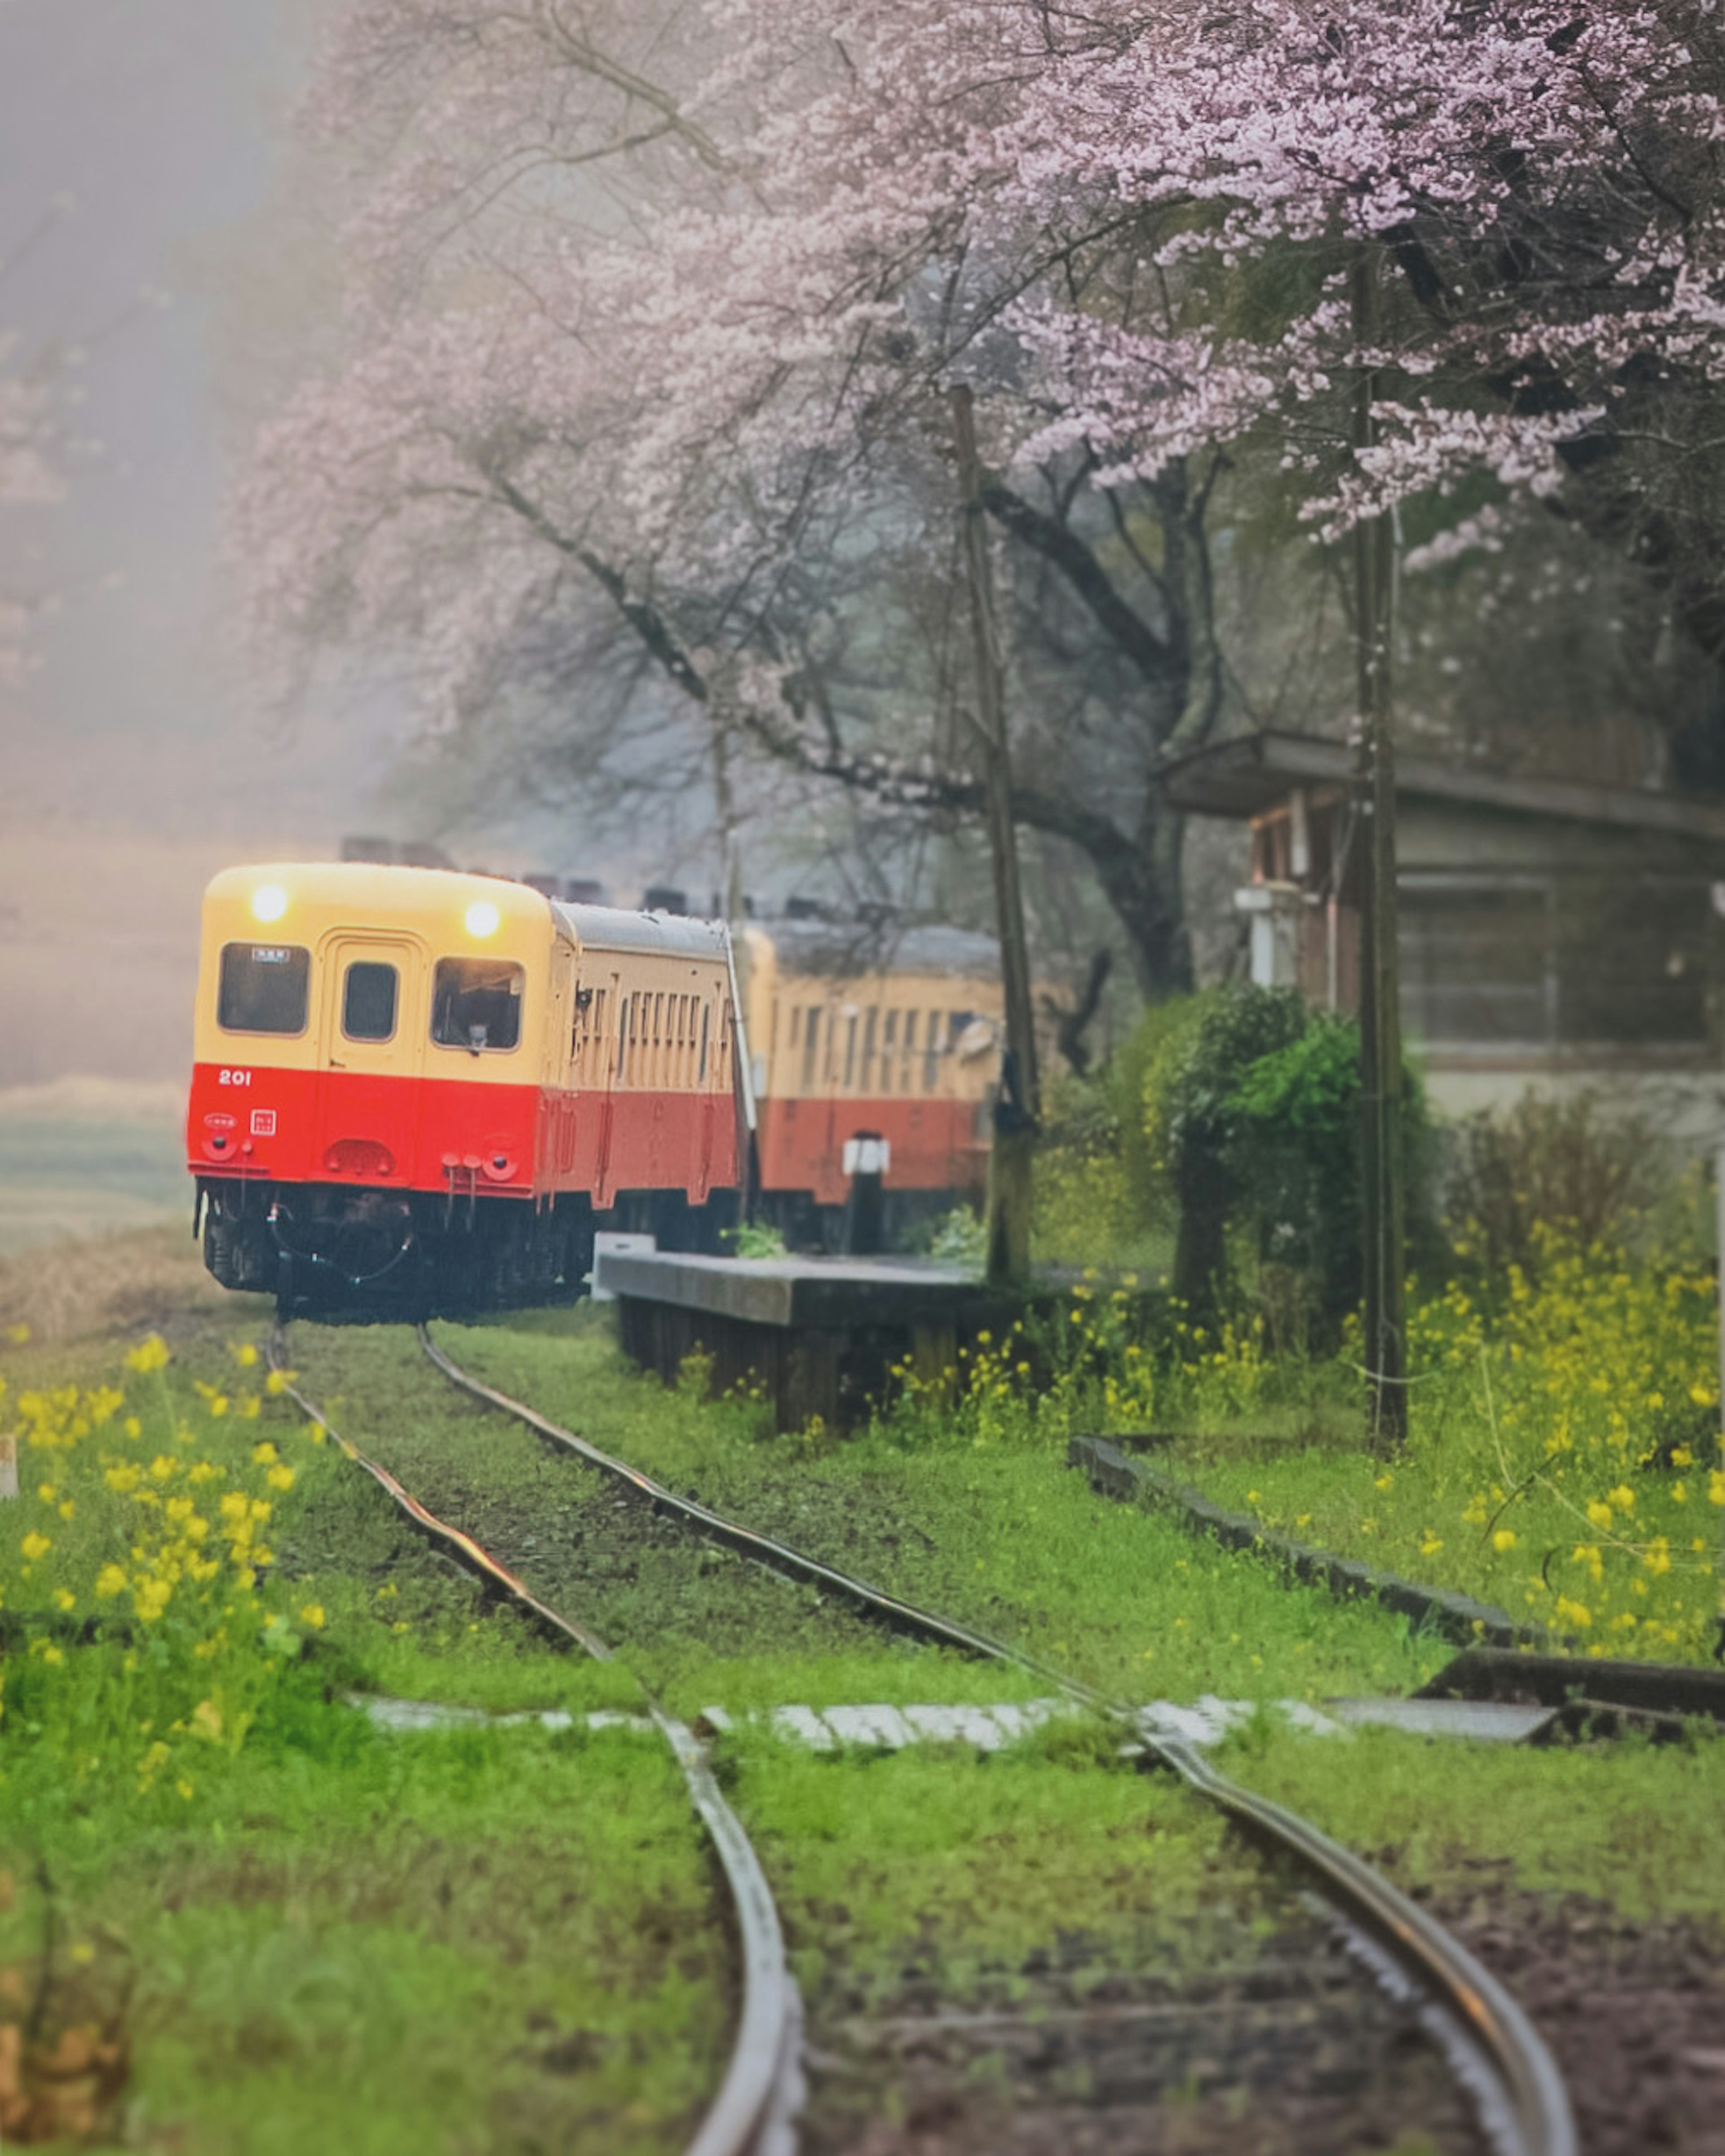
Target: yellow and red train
[(420, 1088)]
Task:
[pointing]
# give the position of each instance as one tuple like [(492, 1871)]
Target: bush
[(1251, 1111), (1293, 1151), (1190, 1118), (1085, 1213), (1576, 1168)]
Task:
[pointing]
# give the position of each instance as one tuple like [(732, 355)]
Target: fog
[(145, 144)]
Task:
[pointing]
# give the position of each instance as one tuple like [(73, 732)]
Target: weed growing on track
[(890, 1865), (269, 1926), (983, 1523), (1622, 1823), (1003, 1535)]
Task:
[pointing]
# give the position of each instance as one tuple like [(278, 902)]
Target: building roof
[(1252, 773)]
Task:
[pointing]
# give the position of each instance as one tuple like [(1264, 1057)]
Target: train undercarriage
[(337, 1250)]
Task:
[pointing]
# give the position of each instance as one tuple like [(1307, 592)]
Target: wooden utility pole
[(1382, 1197), (1019, 1110)]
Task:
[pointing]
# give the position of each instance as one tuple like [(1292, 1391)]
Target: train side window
[(368, 997), (931, 1054), (622, 1015), (850, 1052), (264, 987), (476, 1004), (889, 1048), (706, 1028), (870, 1020), (905, 1079), (811, 1044)]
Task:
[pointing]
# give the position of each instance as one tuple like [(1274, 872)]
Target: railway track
[(1524, 2107), (758, 2100), (1293, 2041)]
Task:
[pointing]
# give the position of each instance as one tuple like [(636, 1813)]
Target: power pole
[(1382, 1196), (1019, 1109)]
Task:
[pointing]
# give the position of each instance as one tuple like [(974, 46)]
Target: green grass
[(439, 1942), (75, 1176), (888, 1862), (1017, 1543), (1003, 1535), (508, 1939), (313, 1934), (1627, 1824)]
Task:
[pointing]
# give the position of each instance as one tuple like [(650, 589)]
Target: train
[(415, 1089)]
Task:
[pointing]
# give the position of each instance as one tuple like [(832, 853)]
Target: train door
[(372, 1026), (611, 1046)]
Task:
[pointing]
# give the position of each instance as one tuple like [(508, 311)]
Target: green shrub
[(1190, 1115), (1576, 1168), (1293, 1151)]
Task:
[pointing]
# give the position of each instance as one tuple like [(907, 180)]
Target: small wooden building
[(1550, 931)]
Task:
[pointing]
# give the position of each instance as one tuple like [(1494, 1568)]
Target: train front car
[(870, 1045), (397, 1105)]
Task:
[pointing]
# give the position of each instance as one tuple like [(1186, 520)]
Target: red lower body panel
[(381, 1133), (935, 1144)]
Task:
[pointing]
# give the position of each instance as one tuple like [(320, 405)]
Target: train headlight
[(268, 903), (482, 918)]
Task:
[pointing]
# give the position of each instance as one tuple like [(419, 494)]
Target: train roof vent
[(547, 887), (665, 898), (583, 890)]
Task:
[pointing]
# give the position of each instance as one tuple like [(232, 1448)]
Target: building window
[(1556, 962)]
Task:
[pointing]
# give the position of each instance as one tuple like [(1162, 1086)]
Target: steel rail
[(1524, 2104), (751, 2114)]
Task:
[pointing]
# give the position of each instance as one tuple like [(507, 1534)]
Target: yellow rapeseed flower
[(280, 1478), (1504, 1539), (35, 1547), (109, 1580), (311, 1614), (245, 1354), (264, 1453), (150, 1354)]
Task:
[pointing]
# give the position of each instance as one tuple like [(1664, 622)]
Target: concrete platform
[(819, 1336)]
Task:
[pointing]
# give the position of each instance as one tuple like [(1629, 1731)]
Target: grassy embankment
[(1563, 1462), (234, 1917), (87, 1157)]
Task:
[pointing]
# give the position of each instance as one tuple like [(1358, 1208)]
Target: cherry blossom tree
[(655, 314)]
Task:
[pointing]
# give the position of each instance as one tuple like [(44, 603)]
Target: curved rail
[(1524, 2103), (762, 2090)]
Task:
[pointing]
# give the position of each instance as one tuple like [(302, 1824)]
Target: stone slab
[(1483, 1721)]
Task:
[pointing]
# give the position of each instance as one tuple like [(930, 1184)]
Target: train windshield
[(264, 988), (476, 1004)]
